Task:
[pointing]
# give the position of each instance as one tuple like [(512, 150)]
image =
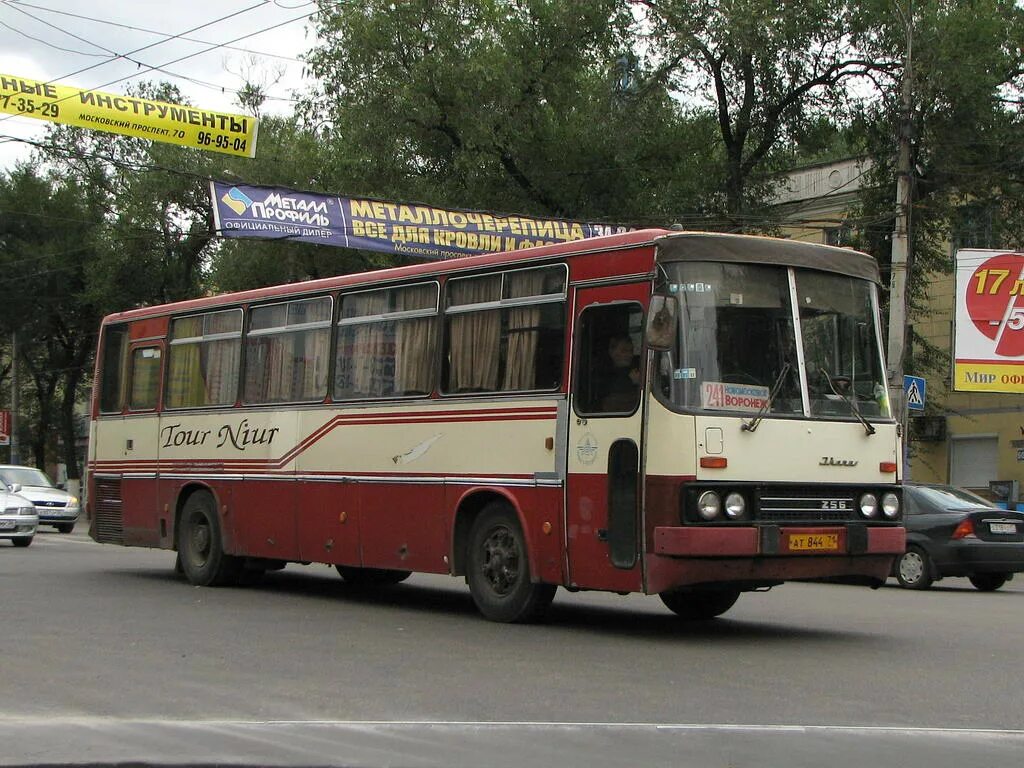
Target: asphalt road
[(108, 656)]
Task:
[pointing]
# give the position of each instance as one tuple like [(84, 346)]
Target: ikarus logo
[(237, 200)]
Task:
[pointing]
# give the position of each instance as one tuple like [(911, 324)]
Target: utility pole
[(15, 457), (900, 261)]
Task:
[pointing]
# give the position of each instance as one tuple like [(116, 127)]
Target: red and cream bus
[(683, 414)]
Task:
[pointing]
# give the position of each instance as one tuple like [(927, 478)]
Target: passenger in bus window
[(622, 382)]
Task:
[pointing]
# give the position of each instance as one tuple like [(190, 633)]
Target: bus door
[(603, 524), (139, 445)]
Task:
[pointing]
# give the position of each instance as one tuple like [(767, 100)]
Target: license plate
[(1009, 528), (6, 524), (814, 542)]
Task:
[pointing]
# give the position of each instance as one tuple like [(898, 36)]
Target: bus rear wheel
[(371, 577), (700, 606), (201, 545), (498, 569)]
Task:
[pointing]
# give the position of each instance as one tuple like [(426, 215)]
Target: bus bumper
[(686, 556)]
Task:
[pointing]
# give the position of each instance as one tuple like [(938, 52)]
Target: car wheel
[(64, 527), (371, 577), (23, 541), (498, 569), (201, 545), (700, 606), (914, 569), (988, 582)]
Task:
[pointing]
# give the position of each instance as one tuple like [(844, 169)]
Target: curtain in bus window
[(185, 385), (474, 339), (414, 348), (145, 378), (370, 346), (523, 331), (222, 361), (314, 349)]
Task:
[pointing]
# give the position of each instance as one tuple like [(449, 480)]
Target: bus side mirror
[(661, 323)]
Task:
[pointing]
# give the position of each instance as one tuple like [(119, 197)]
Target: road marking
[(90, 721)]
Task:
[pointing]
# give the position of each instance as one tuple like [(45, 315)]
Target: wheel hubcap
[(501, 561), (911, 567), (199, 542)]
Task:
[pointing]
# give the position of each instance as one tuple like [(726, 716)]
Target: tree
[(768, 71), (49, 237), (101, 223), (967, 150), (509, 105)]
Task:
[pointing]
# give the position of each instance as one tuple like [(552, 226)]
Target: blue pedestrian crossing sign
[(915, 388)]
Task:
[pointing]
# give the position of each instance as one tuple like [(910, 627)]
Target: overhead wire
[(180, 58), (128, 57), (134, 28)]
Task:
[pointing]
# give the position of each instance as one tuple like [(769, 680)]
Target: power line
[(153, 31), (127, 57), (46, 42), (161, 42)]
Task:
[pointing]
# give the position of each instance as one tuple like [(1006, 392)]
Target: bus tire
[(201, 545), (700, 606), (498, 569), (371, 577)]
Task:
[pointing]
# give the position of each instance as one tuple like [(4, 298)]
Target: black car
[(952, 532)]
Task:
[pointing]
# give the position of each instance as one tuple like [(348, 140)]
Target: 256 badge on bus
[(813, 542)]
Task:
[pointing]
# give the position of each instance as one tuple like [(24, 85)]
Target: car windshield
[(948, 497), (740, 343), (25, 476)]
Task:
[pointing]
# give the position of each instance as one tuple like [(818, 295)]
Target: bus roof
[(747, 249), (671, 246), (643, 237)]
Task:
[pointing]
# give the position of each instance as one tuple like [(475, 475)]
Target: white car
[(18, 519), (53, 506)]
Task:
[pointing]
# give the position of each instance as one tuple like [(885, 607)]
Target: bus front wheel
[(498, 569), (700, 606), (201, 545)]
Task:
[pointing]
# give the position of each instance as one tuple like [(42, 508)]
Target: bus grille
[(109, 519), (802, 506)]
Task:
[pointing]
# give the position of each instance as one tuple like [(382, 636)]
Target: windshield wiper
[(868, 428), (750, 426)]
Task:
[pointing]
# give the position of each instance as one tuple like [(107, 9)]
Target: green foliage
[(769, 73), (966, 138), (508, 106)]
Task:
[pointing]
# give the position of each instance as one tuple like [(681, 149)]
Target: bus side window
[(145, 379), (609, 371), (386, 343), (505, 332), (114, 368)]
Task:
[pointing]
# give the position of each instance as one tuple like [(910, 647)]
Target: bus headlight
[(709, 505), (735, 505), (890, 505), (868, 505)]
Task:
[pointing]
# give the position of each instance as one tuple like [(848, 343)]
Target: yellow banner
[(988, 377), (145, 119)]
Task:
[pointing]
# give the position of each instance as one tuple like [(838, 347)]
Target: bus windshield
[(742, 348)]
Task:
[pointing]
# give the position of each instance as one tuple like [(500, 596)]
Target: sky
[(79, 43)]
